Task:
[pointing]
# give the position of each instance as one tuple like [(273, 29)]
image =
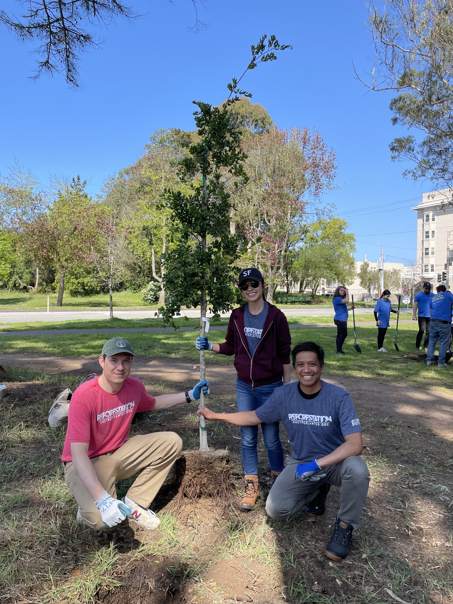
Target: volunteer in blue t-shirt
[(340, 302), (440, 330), (382, 310), (422, 307), (326, 441)]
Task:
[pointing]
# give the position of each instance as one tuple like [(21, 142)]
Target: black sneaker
[(318, 505), (340, 542)]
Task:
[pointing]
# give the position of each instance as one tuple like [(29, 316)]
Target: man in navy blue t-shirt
[(326, 441)]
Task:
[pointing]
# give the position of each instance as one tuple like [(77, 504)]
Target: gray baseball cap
[(117, 346)]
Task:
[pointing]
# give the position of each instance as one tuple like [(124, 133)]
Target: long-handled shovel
[(395, 338), (356, 345)]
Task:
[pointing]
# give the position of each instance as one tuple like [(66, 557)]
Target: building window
[(426, 234), (426, 268), (433, 233), (433, 251), (426, 217), (426, 251), (432, 268), (433, 217)]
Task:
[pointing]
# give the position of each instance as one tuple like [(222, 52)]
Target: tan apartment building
[(434, 260)]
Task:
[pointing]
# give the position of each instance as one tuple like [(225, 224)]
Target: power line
[(379, 207), (382, 234)]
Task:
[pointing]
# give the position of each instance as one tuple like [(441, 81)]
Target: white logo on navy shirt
[(253, 332), (310, 420)]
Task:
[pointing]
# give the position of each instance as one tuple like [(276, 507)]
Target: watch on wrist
[(188, 399)]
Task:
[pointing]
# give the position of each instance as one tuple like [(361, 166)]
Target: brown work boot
[(252, 492)]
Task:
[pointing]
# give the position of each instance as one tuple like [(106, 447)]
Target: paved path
[(125, 329), (87, 315)]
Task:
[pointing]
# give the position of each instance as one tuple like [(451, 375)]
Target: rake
[(356, 344), (395, 339)]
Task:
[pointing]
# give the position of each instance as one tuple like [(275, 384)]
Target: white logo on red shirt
[(111, 414)]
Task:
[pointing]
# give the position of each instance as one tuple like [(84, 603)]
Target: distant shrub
[(297, 298), (151, 292)]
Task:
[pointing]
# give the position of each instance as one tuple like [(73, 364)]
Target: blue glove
[(195, 393), (305, 470), (202, 343)]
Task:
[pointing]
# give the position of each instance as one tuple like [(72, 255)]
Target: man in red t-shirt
[(97, 452)]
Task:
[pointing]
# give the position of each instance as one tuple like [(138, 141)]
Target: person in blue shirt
[(340, 302), (440, 327), (326, 444), (422, 307), (382, 311)]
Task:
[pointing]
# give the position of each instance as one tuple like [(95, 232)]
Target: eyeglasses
[(253, 284)]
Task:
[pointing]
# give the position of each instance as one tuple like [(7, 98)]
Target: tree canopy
[(414, 44), (61, 28)]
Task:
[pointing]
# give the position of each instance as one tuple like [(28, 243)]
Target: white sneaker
[(145, 518), (382, 350), (59, 409)]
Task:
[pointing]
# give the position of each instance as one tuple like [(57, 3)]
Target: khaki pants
[(149, 455)]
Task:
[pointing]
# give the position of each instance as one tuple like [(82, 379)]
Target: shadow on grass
[(7, 301), (404, 545)]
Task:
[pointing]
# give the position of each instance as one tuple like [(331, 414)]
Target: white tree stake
[(202, 424)]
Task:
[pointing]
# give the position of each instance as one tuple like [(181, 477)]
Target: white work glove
[(113, 511)]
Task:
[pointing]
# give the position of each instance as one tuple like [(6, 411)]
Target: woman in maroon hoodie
[(258, 337)]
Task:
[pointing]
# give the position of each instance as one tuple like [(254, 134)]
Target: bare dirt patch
[(208, 552)]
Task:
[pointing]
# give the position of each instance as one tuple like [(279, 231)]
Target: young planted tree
[(199, 269)]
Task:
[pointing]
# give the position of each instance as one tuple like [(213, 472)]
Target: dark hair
[(427, 285), (386, 292), (308, 347), (441, 288), (337, 291)]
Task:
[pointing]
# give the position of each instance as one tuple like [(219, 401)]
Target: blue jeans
[(249, 399), (442, 332)]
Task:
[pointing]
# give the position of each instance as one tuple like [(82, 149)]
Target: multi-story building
[(404, 277), (435, 236)]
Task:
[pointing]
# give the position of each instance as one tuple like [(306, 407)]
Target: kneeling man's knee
[(170, 441), (275, 510), (354, 468), (177, 442)]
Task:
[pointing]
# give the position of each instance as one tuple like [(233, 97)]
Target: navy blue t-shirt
[(253, 326), (315, 426)]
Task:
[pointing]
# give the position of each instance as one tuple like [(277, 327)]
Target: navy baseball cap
[(250, 274)]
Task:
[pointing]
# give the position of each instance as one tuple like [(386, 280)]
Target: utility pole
[(381, 271)]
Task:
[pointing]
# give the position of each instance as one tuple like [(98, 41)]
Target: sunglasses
[(244, 286)]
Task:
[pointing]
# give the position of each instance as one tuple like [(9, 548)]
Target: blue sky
[(144, 74)]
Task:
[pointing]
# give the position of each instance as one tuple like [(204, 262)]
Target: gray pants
[(289, 495)]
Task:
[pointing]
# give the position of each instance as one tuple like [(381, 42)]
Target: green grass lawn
[(23, 301), (179, 344), (18, 301), (363, 318)]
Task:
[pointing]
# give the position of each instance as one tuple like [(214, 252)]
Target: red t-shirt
[(102, 419)]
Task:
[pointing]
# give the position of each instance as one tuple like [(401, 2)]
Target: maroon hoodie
[(272, 352)]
